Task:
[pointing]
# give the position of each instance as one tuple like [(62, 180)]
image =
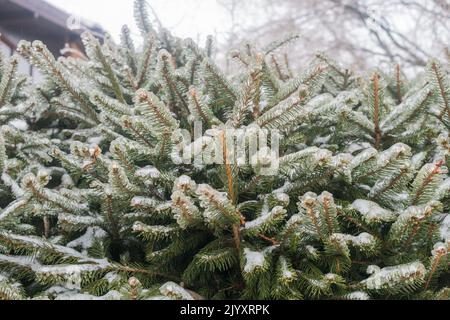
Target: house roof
[(37, 19)]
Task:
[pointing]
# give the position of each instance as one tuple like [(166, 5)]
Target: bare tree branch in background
[(357, 32)]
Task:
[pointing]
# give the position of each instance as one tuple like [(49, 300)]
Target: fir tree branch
[(441, 91), (427, 181)]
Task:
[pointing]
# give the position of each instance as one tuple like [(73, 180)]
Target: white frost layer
[(391, 276), (418, 159), (72, 274), (393, 153), (443, 189), (39, 243), (87, 240), (15, 188), (362, 240), (13, 208), (286, 188), (23, 261), (68, 296), (143, 202), (80, 220)]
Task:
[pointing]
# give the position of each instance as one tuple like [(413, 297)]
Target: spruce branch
[(7, 81), (441, 84), (95, 52)]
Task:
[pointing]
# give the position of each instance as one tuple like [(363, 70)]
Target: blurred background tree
[(360, 34), (357, 32)]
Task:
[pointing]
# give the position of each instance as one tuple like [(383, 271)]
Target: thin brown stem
[(433, 269), (228, 169), (274, 242), (376, 111), (399, 84)]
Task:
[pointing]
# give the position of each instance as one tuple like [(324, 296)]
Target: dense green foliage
[(94, 207)]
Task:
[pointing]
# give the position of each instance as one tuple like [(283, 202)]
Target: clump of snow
[(309, 199), (87, 240), (148, 172), (282, 198), (364, 239), (357, 295), (418, 212), (372, 212), (174, 291), (19, 124), (445, 229), (95, 141), (323, 156), (418, 159), (331, 277), (311, 250), (254, 260), (342, 161), (112, 277), (205, 191), (275, 213), (322, 140), (439, 249), (184, 183), (66, 181)]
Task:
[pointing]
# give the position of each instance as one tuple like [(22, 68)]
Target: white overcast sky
[(186, 18)]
